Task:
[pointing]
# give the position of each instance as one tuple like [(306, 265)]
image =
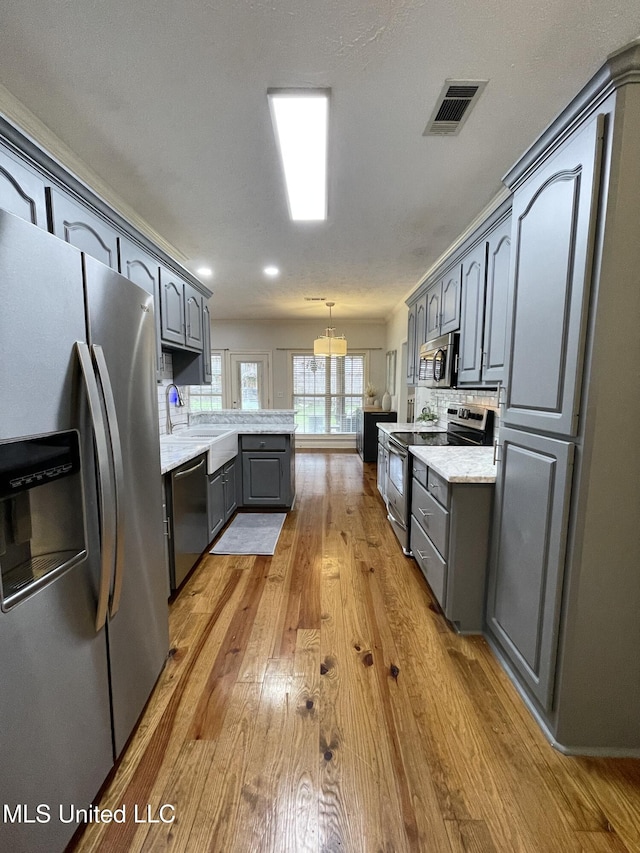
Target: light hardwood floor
[(317, 701)]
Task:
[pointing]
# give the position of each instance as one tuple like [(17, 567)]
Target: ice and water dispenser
[(42, 531)]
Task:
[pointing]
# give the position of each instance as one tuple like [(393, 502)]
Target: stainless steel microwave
[(438, 366)]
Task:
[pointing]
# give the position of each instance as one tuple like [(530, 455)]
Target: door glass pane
[(249, 384)]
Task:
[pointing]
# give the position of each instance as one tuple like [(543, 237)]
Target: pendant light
[(330, 344)]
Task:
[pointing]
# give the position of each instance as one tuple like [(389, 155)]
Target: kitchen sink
[(220, 443)]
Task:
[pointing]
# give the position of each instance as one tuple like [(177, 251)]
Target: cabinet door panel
[(471, 326), (216, 503), (450, 303), (76, 224), (411, 346), (497, 302), (206, 346), (527, 565), (143, 270), (172, 322), (230, 488), (553, 220), (22, 191), (194, 335), (434, 295), (262, 479)]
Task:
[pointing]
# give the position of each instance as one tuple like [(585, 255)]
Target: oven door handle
[(398, 449)]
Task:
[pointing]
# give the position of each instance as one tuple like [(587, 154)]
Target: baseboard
[(575, 750), (325, 442)]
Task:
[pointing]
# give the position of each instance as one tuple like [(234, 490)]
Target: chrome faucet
[(168, 406)]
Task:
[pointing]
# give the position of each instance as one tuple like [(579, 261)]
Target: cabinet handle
[(433, 486), (422, 555), (424, 513), (496, 447), (189, 470)]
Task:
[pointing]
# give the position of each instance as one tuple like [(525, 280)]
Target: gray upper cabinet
[(421, 330), (181, 317), (472, 316), (450, 310), (443, 305), (527, 562), (553, 214), (433, 303), (494, 353), (485, 299), (77, 224), (22, 190), (138, 266), (194, 332), (411, 346), (206, 346)]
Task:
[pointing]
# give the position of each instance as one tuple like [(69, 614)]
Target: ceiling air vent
[(453, 106)]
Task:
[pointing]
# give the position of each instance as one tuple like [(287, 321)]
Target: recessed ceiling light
[(205, 272), (301, 118), (271, 271)]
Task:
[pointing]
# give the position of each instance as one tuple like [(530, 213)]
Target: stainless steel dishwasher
[(188, 514)]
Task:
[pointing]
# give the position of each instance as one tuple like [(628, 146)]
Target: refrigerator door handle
[(118, 467), (107, 494)]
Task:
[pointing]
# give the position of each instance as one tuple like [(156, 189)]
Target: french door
[(250, 379)]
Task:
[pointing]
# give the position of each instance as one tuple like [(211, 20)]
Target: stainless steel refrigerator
[(83, 580)]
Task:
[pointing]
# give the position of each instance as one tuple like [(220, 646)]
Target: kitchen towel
[(251, 533)]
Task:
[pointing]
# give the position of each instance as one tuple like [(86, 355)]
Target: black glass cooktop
[(423, 439)]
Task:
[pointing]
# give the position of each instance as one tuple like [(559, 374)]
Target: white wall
[(279, 337), (396, 337)]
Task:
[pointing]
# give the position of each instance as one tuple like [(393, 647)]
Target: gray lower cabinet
[(268, 470), (527, 561), (75, 223), (22, 190), (383, 463), (449, 538), (222, 497)]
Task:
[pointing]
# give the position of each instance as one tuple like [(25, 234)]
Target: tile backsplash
[(438, 400), (179, 414)]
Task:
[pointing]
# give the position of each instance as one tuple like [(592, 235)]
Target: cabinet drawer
[(420, 471), (264, 442), (433, 519), (432, 565), (438, 487)]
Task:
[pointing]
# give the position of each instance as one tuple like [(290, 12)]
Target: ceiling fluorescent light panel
[(301, 120)]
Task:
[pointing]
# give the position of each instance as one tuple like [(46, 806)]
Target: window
[(327, 392), (207, 398)]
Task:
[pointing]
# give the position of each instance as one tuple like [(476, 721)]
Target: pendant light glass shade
[(330, 344)]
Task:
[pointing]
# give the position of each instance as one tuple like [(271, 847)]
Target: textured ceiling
[(166, 102)]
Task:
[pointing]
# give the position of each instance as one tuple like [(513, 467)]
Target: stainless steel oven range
[(466, 425)]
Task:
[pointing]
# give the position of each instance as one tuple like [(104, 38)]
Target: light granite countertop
[(186, 444), (459, 464)]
